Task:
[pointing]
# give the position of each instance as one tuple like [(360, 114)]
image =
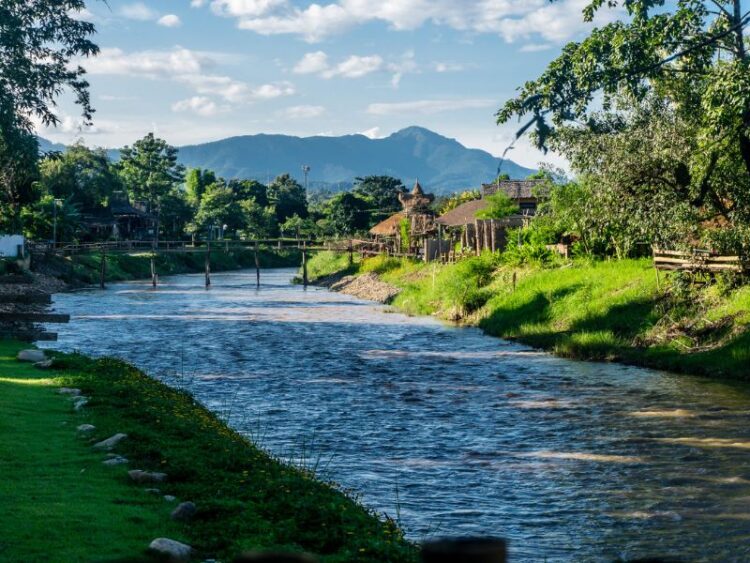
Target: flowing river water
[(448, 430)]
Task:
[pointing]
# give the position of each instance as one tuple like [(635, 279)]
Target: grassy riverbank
[(612, 311), (85, 269), (61, 504)]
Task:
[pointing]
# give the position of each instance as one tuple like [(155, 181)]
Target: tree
[(382, 192), (288, 198), (250, 189), (219, 207), (347, 214), (150, 171), (196, 182), (260, 221), (40, 217), (499, 205), (297, 226), (19, 153), (692, 55), (83, 175), (38, 42)]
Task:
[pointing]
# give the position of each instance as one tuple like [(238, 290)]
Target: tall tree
[(150, 171), (382, 192), (690, 52), (38, 41), (288, 198), (196, 182)]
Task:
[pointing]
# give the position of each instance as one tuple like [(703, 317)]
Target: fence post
[(208, 265), (103, 267), (351, 252), (304, 264), (493, 235), (257, 266), (477, 237), (153, 269)]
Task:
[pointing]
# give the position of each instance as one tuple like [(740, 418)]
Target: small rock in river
[(110, 442), (32, 356), (69, 391), (184, 511), (174, 550), (140, 476)]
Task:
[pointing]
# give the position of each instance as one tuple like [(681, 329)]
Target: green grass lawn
[(593, 310), (61, 504)]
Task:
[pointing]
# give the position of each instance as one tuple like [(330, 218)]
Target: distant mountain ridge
[(442, 165)]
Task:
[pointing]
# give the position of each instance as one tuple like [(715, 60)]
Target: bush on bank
[(587, 309)]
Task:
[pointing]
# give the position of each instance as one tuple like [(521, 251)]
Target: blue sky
[(200, 70)]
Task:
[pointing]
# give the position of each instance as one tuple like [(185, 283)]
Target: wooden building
[(420, 222)]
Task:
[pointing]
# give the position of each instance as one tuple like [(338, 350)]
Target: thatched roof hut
[(389, 227)]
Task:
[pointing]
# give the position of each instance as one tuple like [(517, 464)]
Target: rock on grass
[(140, 476), (172, 549), (111, 442)]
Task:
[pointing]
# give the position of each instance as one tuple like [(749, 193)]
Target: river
[(448, 430)]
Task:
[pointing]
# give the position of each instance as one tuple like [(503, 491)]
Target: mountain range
[(442, 165)]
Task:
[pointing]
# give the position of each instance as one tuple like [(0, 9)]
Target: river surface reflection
[(448, 430)]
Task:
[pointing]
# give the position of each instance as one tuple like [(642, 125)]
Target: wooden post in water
[(304, 264), (103, 267), (257, 266), (153, 269), (208, 264)]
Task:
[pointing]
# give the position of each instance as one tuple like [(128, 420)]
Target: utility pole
[(306, 170), (55, 202)]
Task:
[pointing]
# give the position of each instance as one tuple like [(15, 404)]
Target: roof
[(464, 214), (389, 227), (417, 189), (515, 189)]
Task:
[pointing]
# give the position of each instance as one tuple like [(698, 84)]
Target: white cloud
[(169, 20), (303, 112), (406, 65), (197, 104), (197, 3), (447, 67), (191, 68), (373, 133), (138, 11), (355, 67), (244, 8), (426, 107), (510, 19), (312, 63), (270, 91)]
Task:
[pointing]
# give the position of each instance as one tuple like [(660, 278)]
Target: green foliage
[(405, 231), (499, 205), (196, 182), (38, 46), (82, 175), (287, 197), (38, 219), (382, 194), (347, 214), (149, 171)]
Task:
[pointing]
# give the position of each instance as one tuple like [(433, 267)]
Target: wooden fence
[(699, 261)]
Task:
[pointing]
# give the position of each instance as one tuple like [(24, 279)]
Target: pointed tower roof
[(417, 188)]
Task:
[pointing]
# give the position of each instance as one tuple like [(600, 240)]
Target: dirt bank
[(367, 286)]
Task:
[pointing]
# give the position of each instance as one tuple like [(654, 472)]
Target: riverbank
[(588, 310), (62, 503), (85, 269)]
